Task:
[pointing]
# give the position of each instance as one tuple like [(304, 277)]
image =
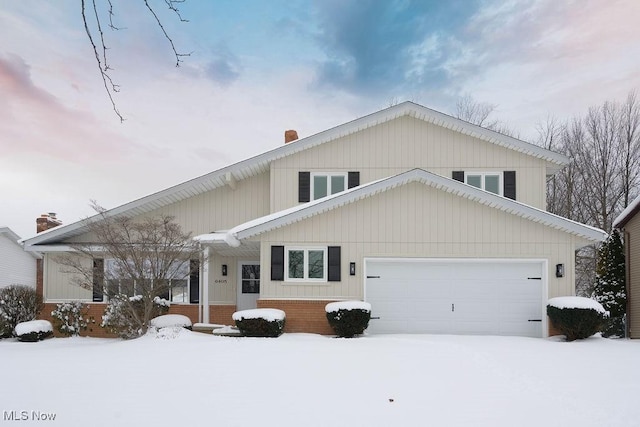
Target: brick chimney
[(47, 221), (290, 135)]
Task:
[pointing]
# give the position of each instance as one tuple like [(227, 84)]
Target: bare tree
[(479, 113), (92, 17), (629, 135), (145, 258)]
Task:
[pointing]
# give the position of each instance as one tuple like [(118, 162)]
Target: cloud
[(53, 129), (373, 46), (224, 68)]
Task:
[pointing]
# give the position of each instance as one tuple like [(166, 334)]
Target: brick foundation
[(552, 329), (220, 314), (302, 315)]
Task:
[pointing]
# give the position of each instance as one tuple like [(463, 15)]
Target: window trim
[(329, 175), (305, 261), (483, 175)]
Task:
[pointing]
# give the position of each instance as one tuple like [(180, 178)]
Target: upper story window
[(326, 184), (316, 185), (488, 181)]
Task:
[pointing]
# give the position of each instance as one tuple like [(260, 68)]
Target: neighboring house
[(17, 267), (439, 223), (629, 222)]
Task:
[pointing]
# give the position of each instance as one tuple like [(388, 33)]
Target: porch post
[(204, 283)]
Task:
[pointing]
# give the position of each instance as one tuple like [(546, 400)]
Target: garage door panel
[(496, 297)]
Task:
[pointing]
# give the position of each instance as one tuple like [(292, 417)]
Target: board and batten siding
[(59, 283), (416, 220), (632, 245), (402, 144), (218, 209), (17, 267)]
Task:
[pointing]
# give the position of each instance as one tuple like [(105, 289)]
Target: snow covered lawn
[(299, 379)]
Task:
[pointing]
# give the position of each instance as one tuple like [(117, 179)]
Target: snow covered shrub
[(18, 303), (261, 322), (576, 317), (124, 316), (348, 318), (34, 330), (71, 317), (171, 321)]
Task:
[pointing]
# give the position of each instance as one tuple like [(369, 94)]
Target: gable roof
[(260, 163), (289, 216), (626, 215)]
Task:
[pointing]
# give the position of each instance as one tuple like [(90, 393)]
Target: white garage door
[(497, 297)]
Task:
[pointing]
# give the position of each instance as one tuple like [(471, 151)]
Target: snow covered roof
[(629, 212), (260, 164), (307, 210)]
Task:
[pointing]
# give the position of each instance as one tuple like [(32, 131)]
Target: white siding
[(402, 144), (17, 267), (60, 284), (417, 221)]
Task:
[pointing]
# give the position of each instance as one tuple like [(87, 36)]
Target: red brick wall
[(302, 315), (220, 314)]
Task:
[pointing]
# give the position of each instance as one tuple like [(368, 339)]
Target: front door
[(248, 285)]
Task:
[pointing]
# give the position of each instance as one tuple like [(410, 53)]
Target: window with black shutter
[(194, 281), (98, 280), (334, 264), (277, 262)]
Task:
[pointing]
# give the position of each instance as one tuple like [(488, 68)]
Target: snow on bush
[(33, 330), (71, 317), (18, 303), (261, 322), (171, 320), (576, 302), (347, 305), (125, 315), (348, 318), (576, 317), (268, 314)]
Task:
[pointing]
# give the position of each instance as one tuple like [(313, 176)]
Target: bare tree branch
[(95, 26)]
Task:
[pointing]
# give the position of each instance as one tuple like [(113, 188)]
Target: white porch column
[(204, 284)]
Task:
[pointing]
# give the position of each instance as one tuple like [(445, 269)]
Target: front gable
[(402, 144)]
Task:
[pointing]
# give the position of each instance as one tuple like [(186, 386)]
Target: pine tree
[(610, 286)]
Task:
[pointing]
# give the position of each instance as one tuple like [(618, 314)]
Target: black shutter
[(353, 179), (458, 175), (194, 281), (304, 187), (509, 188), (334, 263), (277, 262), (98, 280)]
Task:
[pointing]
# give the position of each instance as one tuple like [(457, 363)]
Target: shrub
[(124, 316), (18, 303), (70, 318), (348, 318), (171, 321), (33, 331), (262, 322), (576, 317)]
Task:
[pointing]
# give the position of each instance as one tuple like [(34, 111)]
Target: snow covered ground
[(185, 378)]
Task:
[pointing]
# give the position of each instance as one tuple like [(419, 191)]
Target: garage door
[(497, 297)]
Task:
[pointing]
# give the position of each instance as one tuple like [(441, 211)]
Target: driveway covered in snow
[(200, 380)]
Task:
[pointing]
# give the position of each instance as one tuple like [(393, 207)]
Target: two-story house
[(439, 224)]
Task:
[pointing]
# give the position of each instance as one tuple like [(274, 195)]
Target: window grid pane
[(475, 180), (296, 264), (319, 187), (337, 184), (316, 264), (492, 183)]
